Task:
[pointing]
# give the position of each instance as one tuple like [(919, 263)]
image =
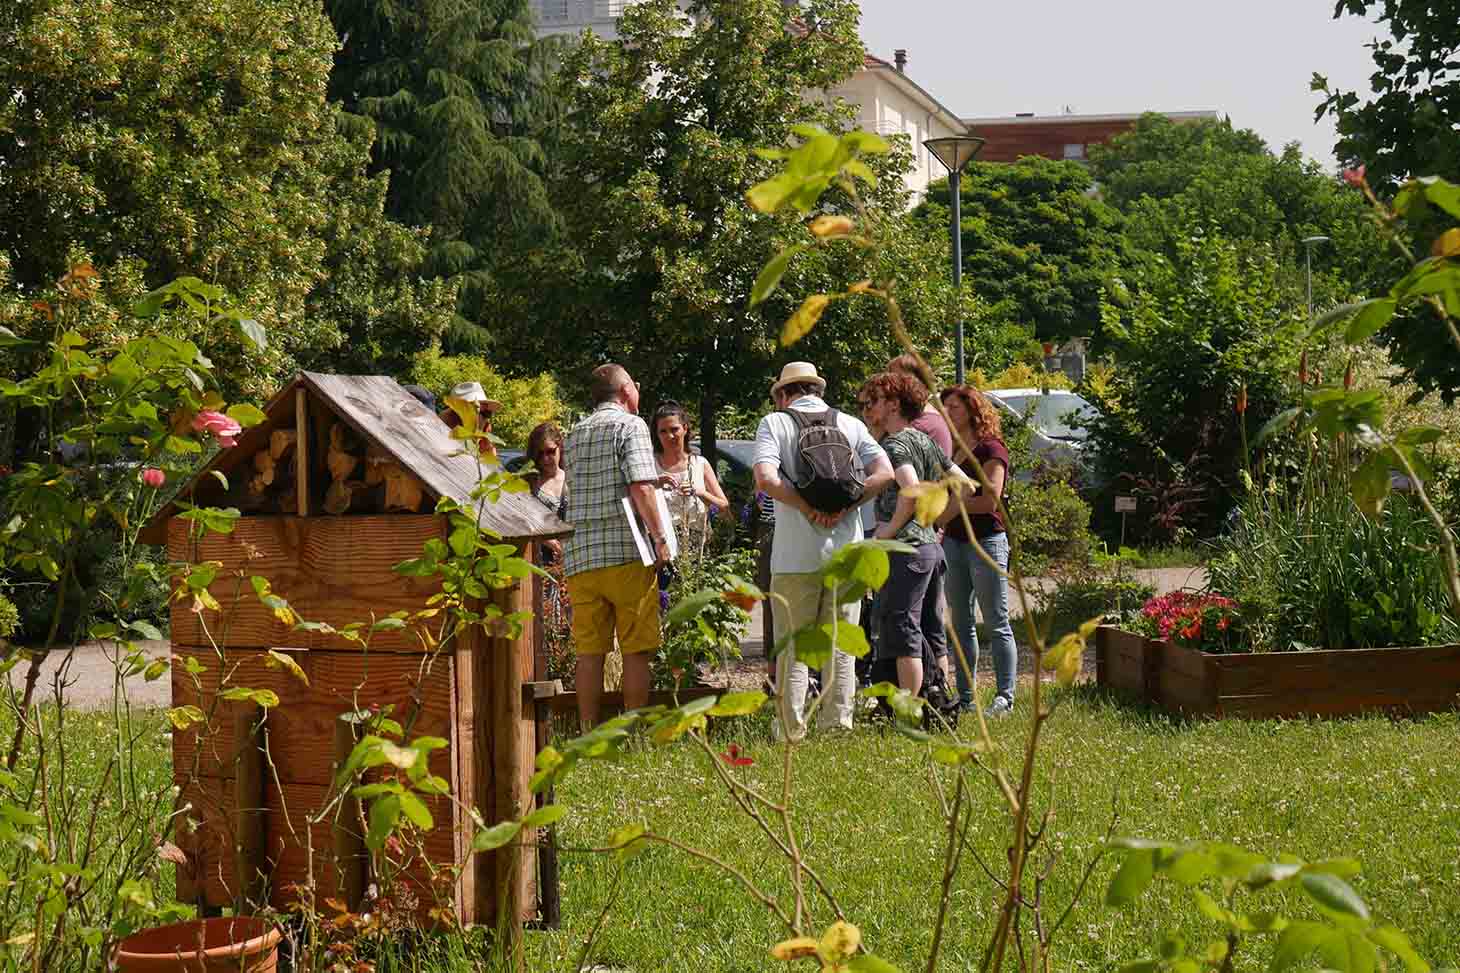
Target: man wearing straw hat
[(807, 534)]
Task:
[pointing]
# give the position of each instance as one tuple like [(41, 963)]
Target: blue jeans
[(969, 576)]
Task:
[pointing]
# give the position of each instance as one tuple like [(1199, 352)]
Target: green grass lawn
[(1386, 792)]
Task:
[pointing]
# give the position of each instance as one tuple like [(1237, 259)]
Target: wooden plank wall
[(300, 735), (330, 569), (1336, 682), (1120, 660)]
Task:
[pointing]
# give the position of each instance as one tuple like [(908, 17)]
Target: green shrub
[(715, 632), (1050, 523), (1310, 571), (1083, 592), (526, 402), (9, 618)]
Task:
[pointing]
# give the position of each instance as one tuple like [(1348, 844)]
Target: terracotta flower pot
[(244, 943)]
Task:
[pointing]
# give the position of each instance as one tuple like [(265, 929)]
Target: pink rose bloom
[(222, 428), (154, 477)]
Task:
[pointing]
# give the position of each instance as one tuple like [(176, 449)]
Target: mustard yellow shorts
[(622, 599)]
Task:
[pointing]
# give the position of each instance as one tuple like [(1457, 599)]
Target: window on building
[(1075, 151), (609, 8), (552, 10)]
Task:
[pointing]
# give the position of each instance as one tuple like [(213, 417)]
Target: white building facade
[(891, 103)]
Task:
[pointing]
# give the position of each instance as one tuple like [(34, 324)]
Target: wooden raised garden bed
[(1335, 682)]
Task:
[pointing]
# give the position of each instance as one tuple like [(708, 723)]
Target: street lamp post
[(1308, 243), (956, 152)]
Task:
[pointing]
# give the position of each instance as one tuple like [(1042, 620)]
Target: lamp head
[(955, 151)]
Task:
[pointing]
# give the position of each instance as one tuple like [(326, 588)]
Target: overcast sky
[(1249, 59)]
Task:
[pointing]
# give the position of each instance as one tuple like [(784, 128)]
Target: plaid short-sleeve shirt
[(605, 453)]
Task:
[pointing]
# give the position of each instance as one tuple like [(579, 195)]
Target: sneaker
[(1001, 706)]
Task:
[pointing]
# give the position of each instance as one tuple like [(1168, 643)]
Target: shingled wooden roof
[(382, 412)]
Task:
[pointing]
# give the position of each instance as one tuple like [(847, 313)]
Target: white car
[(1057, 419)]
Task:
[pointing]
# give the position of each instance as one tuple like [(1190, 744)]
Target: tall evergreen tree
[(457, 92)]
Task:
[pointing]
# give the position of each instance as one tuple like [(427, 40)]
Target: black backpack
[(831, 477)]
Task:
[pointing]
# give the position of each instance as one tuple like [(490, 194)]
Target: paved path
[(90, 673)]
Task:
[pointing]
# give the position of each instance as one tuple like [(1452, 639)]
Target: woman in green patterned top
[(910, 603)]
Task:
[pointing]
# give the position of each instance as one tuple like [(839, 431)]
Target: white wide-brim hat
[(473, 392), (799, 371)]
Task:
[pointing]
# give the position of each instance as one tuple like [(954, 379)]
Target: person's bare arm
[(975, 500), (712, 494), (879, 478), (904, 476), (768, 481), (641, 495)]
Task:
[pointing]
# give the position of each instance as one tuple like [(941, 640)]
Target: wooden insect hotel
[(337, 486)]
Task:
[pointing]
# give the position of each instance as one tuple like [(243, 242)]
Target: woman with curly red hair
[(978, 440), (909, 602)]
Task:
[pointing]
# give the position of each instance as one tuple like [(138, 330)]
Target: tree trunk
[(708, 434)]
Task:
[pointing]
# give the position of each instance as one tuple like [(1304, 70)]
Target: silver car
[(1056, 418)]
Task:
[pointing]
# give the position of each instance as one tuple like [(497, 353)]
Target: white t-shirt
[(799, 546)]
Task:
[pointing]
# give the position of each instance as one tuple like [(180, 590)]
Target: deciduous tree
[(1036, 244), (162, 138), (660, 249)]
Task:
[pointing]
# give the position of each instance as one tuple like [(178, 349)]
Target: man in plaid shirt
[(609, 457)]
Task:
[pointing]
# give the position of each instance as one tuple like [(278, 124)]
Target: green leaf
[(771, 195), (254, 333), (183, 717), (1209, 907), (1142, 966), (1131, 879), (1371, 316), (1444, 194), (1349, 952), (862, 171), (1270, 872), (384, 815), (800, 323), (1369, 484), (245, 415), (1398, 943), (463, 540), (1278, 423), (544, 816), (849, 638), (689, 606), (627, 841), (145, 629), (1419, 435), (415, 809), (155, 669), (812, 645), (739, 704), (1333, 894), (431, 784), (1191, 867), (496, 836), (368, 792), (869, 963), (770, 275), (403, 757), (1296, 943), (388, 625)]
